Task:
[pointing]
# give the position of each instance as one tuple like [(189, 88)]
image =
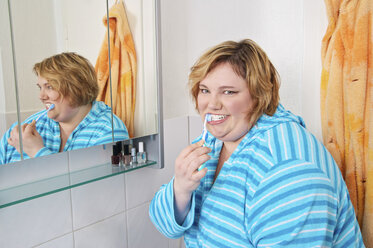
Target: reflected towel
[(123, 67), (347, 101)]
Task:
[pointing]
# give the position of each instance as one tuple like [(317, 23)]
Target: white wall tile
[(109, 233), (89, 157), (182, 244), (175, 243), (141, 232), (36, 221), (65, 241), (97, 200), (195, 127), (174, 23), (141, 185), (31, 170)]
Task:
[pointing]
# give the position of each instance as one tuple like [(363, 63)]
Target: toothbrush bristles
[(45, 112)]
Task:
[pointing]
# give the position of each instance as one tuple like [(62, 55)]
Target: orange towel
[(123, 67), (347, 101)]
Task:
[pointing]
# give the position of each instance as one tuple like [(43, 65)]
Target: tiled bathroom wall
[(112, 212)]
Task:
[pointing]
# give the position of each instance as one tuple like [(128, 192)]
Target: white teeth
[(48, 105), (217, 117)]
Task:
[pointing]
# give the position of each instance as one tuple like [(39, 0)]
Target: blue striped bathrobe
[(94, 129), (280, 188)]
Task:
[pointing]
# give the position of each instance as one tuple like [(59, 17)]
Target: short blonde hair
[(72, 75), (251, 63)]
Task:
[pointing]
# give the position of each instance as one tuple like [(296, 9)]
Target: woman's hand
[(31, 140), (187, 176)]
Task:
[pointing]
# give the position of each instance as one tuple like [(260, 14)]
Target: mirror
[(42, 28)]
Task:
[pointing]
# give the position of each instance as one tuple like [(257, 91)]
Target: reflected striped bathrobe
[(94, 129), (280, 188)]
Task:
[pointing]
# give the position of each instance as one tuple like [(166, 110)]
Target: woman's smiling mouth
[(217, 119), (48, 105)]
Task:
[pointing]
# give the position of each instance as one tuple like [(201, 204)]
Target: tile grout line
[(71, 201)]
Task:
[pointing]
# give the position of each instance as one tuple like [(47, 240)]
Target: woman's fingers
[(23, 127), (198, 175), (196, 153), (10, 141), (30, 128), (189, 154), (184, 153), (197, 162), (14, 132)]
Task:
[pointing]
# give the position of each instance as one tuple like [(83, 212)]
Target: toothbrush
[(204, 134), (50, 108)]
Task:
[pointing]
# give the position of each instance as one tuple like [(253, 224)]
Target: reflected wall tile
[(65, 241), (89, 157), (36, 221), (141, 231), (31, 170), (97, 200), (109, 233), (141, 185)]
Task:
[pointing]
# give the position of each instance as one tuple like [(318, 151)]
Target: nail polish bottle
[(130, 146), (133, 157), (141, 155), (126, 156), (116, 157)]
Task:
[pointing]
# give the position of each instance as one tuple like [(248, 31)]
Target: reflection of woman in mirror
[(68, 81)]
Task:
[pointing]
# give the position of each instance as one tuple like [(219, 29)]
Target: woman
[(266, 182), (68, 81)]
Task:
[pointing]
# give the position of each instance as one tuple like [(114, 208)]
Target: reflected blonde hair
[(248, 61), (71, 75)]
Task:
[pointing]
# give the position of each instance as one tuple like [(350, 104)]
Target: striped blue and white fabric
[(280, 188), (94, 129)]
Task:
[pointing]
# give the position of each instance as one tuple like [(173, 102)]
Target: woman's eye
[(203, 91), (229, 92)]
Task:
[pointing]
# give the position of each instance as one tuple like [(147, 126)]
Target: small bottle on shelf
[(133, 157), (126, 156), (141, 155), (116, 158)]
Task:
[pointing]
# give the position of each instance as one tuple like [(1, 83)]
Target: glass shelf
[(29, 191)]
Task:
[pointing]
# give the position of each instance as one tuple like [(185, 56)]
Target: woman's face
[(62, 111), (225, 95)]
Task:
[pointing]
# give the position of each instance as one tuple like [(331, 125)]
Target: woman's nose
[(42, 95), (214, 102)]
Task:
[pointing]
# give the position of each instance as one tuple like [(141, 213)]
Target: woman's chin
[(228, 136)]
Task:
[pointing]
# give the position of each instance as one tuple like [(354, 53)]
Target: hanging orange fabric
[(347, 101), (123, 67)]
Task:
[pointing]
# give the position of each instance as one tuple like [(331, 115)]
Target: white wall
[(7, 91), (113, 212), (290, 31)]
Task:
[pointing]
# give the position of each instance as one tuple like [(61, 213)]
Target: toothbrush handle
[(203, 165), (40, 116)]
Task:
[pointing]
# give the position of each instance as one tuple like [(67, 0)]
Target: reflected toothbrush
[(204, 135), (50, 108)]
